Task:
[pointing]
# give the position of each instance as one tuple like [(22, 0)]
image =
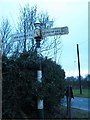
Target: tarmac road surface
[(79, 103)]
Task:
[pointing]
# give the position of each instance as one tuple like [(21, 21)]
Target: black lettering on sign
[(63, 30), (15, 37)]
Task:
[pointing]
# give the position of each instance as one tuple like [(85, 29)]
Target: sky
[(71, 13)]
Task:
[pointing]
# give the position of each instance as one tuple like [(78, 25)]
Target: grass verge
[(85, 93), (80, 114), (77, 114)]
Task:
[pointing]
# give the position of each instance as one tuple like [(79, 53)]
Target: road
[(79, 103)]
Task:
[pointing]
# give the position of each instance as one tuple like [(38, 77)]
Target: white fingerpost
[(38, 36)]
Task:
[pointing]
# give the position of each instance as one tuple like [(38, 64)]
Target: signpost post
[(38, 34), (38, 37)]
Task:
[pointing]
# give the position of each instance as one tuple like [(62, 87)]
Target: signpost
[(44, 33), (38, 34), (55, 31), (20, 36)]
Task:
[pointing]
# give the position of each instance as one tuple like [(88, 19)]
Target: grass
[(85, 93), (79, 114), (76, 114)]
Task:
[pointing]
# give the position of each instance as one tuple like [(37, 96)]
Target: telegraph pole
[(79, 69), (38, 37)]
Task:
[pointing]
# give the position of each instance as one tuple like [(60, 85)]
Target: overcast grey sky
[(71, 13)]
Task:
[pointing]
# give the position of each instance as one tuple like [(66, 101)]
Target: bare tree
[(28, 17), (26, 24), (51, 45), (5, 36)]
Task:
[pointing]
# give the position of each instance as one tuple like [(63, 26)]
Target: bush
[(21, 88)]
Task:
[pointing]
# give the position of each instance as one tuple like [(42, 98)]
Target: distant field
[(85, 93)]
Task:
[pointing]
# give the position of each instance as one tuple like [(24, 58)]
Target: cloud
[(75, 73)]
